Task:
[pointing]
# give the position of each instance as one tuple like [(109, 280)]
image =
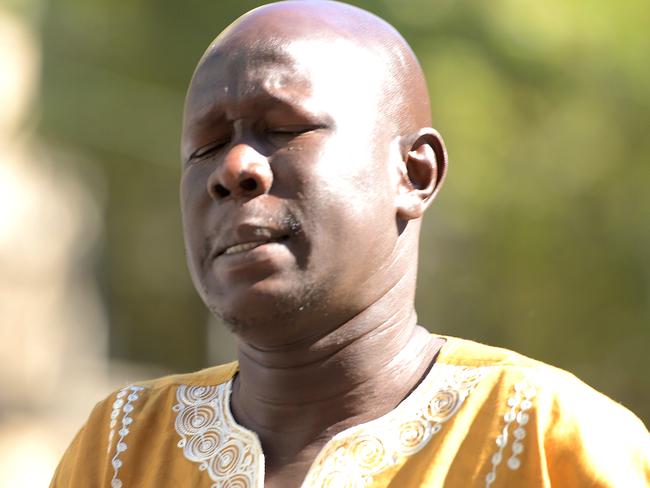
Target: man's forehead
[(307, 71), (233, 73), (262, 63)]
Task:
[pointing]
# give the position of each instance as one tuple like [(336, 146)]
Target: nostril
[(248, 184), (221, 190)]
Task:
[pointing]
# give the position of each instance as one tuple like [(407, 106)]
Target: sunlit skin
[(308, 162)]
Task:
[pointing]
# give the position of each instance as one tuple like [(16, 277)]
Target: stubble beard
[(283, 313)]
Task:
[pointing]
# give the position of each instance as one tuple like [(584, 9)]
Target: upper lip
[(246, 233)]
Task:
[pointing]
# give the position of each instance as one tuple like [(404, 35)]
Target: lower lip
[(269, 252)]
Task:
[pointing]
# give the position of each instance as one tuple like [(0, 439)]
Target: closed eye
[(208, 150), (289, 132)]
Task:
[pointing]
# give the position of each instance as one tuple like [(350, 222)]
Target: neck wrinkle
[(357, 372)]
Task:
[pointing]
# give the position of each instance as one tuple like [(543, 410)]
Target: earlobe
[(423, 168)]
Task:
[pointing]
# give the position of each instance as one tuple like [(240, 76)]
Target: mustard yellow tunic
[(482, 417)]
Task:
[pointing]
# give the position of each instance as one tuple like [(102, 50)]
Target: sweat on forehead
[(357, 43)]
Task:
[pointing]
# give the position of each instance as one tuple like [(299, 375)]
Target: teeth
[(243, 247)]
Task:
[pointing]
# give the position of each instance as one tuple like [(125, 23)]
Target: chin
[(265, 313)]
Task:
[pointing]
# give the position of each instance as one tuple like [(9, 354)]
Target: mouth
[(245, 236), (247, 246)]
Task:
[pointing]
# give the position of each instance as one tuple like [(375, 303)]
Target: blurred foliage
[(540, 240)]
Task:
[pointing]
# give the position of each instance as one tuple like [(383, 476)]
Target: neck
[(296, 398)]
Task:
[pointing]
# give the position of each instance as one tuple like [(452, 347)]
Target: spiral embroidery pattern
[(232, 456), (353, 457)]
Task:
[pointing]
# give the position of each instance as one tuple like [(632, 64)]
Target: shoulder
[(154, 398), (557, 390), (206, 377), (579, 433), (128, 417)]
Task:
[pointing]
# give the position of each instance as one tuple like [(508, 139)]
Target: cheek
[(356, 180), (194, 204), (354, 206)]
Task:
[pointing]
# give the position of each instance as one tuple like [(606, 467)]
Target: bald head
[(357, 42)]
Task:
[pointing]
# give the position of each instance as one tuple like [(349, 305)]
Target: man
[(308, 162)]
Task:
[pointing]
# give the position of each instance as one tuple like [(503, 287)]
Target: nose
[(244, 173)]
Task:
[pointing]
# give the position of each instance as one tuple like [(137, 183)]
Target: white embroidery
[(231, 455), (519, 404), (120, 406), (353, 457)]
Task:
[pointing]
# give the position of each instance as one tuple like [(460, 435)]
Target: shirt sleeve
[(592, 441), (85, 461)]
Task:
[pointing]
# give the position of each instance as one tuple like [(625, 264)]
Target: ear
[(423, 168)]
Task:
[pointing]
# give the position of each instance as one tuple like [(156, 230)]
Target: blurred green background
[(539, 241)]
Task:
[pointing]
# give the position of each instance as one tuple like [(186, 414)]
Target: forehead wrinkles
[(322, 75), (262, 64), (229, 76)]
